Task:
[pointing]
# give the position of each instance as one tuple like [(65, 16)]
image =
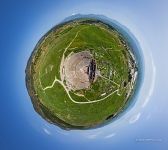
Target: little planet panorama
[(81, 74)]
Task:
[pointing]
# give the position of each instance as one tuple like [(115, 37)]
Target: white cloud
[(47, 131), (134, 118), (109, 136)]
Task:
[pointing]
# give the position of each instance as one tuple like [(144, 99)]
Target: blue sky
[(22, 23)]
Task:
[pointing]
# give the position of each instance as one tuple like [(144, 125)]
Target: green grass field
[(106, 97)]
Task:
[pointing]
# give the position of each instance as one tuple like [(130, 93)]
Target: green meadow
[(106, 97)]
